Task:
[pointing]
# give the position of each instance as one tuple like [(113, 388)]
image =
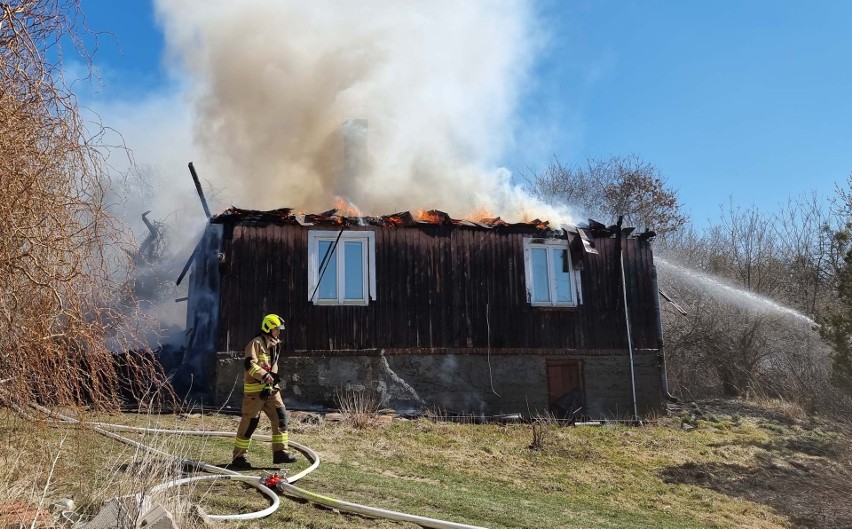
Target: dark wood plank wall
[(437, 288)]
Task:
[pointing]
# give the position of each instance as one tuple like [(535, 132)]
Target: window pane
[(561, 272), (541, 283), (328, 282), (353, 262)]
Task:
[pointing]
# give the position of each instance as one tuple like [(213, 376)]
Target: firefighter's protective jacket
[(261, 357)]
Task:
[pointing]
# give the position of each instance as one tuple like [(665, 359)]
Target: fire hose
[(282, 485)]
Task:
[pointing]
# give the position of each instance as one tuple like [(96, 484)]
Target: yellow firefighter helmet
[(271, 321)]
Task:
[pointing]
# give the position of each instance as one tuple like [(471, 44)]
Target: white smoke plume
[(270, 85)]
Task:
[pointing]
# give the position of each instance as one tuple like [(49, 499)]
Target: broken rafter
[(200, 191), (189, 262), (145, 248)]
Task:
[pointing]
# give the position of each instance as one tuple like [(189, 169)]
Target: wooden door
[(564, 388)]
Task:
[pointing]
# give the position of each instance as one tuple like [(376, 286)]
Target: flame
[(527, 218), (345, 208), (428, 216), (395, 220), (480, 214)]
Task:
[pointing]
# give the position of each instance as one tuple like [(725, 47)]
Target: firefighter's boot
[(283, 456), (240, 462)]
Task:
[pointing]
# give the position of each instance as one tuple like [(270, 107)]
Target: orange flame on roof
[(395, 220), (428, 216), (346, 209), (540, 224), (480, 214)]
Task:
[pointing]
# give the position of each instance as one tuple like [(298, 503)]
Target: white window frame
[(368, 239), (551, 245)]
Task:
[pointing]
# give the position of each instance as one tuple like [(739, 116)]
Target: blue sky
[(745, 99)]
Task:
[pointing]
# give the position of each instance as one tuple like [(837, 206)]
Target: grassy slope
[(653, 476)]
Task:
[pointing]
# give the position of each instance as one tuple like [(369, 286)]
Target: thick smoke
[(272, 83)]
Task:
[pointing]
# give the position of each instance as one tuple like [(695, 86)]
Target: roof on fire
[(406, 219), (403, 219)]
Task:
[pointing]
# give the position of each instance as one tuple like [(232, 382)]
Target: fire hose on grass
[(283, 485)]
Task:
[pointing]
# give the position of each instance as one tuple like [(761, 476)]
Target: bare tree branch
[(65, 322)]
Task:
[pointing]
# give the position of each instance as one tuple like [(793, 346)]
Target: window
[(341, 267), (551, 280)]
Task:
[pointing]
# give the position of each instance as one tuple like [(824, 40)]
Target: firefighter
[(261, 394)]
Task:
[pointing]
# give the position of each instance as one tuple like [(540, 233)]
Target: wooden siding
[(438, 289)]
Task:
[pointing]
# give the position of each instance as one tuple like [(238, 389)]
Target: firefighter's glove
[(268, 379), (269, 390)]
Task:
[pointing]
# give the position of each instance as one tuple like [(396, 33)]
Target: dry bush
[(359, 408), (541, 425), (63, 268)]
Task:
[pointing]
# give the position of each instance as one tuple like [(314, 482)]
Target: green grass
[(655, 476)]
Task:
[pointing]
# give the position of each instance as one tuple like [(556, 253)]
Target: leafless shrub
[(62, 266), (359, 407), (541, 426)]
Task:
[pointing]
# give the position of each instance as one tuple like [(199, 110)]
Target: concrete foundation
[(464, 383)]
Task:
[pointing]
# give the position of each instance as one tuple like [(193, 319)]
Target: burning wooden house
[(430, 312)]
